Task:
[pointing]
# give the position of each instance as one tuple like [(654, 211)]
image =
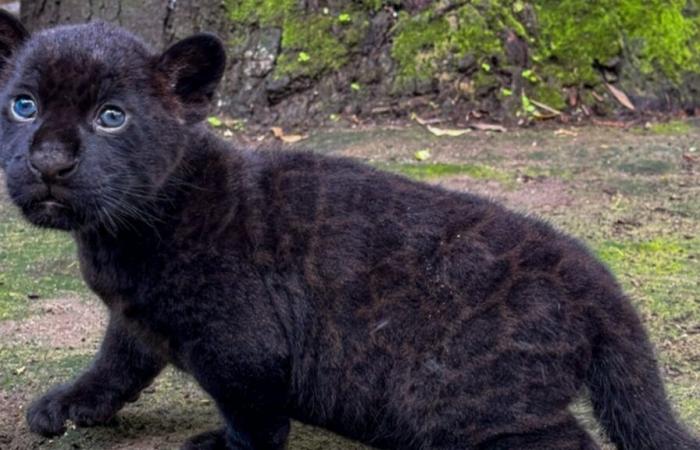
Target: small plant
[(303, 57), (344, 18), (214, 121), (530, 75), (528, 108)]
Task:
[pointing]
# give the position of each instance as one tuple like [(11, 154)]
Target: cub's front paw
[(48, 414)]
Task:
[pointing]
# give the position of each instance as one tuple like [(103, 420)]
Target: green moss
[(311, 37), (311, 45), (574, 34), (659, 37), (549, 95), (438, 170), (415, 43), (424, 42), (262, 12)]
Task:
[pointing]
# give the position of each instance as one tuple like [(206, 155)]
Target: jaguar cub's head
[(92, 121)]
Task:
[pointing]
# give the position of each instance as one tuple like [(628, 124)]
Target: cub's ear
[(12, 35), (194, 66)]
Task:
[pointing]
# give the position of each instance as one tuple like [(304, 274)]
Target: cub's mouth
[(50, 211)]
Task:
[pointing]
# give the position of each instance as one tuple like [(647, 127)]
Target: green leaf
[(422, 155), (355, 86), (344, 18), (303, 57), (529, 75), (486, 67), (215, 121), (518, 6), (528, 107), (506, 92)]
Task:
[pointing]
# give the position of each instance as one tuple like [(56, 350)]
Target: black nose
[(52, 165)]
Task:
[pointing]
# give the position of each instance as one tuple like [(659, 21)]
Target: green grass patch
[(686, 398), (34, 262), (661, 274), (646, 167), (548, 172), (438, 170), (671, 127), (41, 367)]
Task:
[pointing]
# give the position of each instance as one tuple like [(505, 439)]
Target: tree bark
[(158, 22)]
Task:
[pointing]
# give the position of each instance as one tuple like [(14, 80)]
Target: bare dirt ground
[(632, 195)]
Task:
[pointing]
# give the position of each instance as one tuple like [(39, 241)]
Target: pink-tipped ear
[(194, 66), (12, 35)]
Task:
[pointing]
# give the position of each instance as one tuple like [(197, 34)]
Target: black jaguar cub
[(290, 285)]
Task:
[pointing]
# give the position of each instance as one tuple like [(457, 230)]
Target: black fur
[(296, 286)]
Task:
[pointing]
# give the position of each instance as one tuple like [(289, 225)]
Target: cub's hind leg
[(567, 435), (268, 434), (120, 370)]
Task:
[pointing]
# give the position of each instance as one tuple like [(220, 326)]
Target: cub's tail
[(627, 394)]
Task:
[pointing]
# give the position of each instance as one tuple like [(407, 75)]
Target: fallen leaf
[(545, 107), (488, 127), (422, 155), (20, 370), (564, 132), (278, 132), (292, 138), (610, 123), (424, 122), (448, 131), (620, 97)]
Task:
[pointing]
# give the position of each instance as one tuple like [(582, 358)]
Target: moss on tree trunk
[(302, 61)]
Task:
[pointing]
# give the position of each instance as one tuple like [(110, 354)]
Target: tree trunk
[(158, 22), (300, 62)]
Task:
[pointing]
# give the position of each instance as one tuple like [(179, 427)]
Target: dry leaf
[(278, 132), (620, 97), (424, 122), (546, 107), (564, 132), (488, 127), (610, 123), (448, 132)]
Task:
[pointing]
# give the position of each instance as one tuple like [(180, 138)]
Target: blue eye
[(24, 107), (111, 117)]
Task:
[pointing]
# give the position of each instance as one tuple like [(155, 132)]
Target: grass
[(671, 127), (428, 171), (661, 274), (34, 264), (41, 365)]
